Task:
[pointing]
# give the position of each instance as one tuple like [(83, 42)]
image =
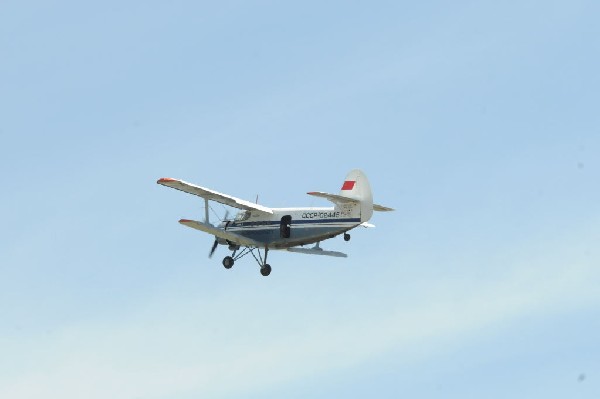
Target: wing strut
[(206, 211)]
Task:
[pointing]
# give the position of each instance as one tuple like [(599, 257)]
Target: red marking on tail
[(348, 185)]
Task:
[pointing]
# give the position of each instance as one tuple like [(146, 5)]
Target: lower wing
[(224, 234), (314, 251)]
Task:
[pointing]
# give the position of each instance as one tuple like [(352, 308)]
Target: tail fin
[(355, 197), (356, 186)]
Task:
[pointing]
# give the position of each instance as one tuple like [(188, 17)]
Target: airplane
[(257, 227)]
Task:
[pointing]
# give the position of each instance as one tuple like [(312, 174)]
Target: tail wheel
[(228, 262), (265, 270), (346, 237)]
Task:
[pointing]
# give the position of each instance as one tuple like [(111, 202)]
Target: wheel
[(346, 237), (265, 270), (228, 262)]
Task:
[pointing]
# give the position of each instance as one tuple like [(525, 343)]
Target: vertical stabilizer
[(356, 186)]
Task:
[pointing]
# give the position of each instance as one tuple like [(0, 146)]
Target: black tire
[(346, 237), (265, 270), (228, 262)]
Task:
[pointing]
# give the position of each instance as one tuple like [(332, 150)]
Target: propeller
[(216, 243), (213, 249)]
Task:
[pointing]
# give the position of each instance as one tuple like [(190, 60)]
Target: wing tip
[(183, 221), (165, 180)]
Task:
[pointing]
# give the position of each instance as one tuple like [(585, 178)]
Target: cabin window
[(285, 227), (243, 215)]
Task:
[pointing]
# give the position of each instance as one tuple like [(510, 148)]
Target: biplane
[(257, 229)]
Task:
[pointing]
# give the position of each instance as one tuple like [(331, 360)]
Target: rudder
[(356, 186)]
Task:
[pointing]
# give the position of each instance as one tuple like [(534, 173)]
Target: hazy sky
[(477, 121)]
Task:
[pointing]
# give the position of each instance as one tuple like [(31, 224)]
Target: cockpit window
[(243, 215)]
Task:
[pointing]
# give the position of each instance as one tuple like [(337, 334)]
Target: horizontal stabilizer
[(213, 195), (314, 251), (381, 208), (336, 199), (226, 235)]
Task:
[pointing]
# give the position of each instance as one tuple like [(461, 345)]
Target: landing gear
[(228, 262), (265, 270), (346, 237)]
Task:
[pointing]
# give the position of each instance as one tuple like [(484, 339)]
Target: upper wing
[(336, 199), (226, 235), (212, 195), (381, 208)]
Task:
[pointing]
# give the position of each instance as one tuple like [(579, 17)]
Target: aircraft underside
[(270, 238)]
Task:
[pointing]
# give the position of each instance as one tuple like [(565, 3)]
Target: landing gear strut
[(346, 237), (265, 268)]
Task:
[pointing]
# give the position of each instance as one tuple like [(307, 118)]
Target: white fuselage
[(289, 227)]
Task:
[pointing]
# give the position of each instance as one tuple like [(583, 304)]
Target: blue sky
[(477, 121)]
